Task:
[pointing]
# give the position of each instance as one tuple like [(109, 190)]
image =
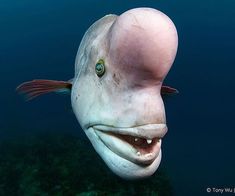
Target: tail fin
[(35, 88)]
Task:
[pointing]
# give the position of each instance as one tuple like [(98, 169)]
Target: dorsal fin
[(35, 88)]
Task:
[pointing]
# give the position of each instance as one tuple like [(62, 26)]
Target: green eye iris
[(100, 68)]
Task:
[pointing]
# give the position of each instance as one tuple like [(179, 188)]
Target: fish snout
[(143, 45), (140, 145)]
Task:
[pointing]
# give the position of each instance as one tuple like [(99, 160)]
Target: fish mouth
[(140, 145)]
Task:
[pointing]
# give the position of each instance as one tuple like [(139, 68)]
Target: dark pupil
[(99, 67)]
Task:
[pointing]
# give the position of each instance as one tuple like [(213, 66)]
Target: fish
[(116, 92)]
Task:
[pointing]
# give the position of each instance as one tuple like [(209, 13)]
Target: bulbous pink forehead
[(145, 41)]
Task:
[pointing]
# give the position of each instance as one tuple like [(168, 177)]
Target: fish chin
[(121, 166)]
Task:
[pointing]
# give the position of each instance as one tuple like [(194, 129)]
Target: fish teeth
[(149, 141), (138, 153)]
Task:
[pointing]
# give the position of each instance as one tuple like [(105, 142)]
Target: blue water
[(39, 39)]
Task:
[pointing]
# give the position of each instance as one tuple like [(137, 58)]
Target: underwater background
[(43, 150)]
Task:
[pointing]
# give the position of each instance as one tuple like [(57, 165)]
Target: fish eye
[(100, 68)]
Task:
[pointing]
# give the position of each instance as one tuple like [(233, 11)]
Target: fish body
[(116, 90)]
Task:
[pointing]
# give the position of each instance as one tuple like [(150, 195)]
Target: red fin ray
[(35, 88), (167, 90)]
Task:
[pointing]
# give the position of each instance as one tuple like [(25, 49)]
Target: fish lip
[(130, 152), (147, 131)]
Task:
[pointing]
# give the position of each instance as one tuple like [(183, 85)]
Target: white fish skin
[(138, 48), (121, 111)]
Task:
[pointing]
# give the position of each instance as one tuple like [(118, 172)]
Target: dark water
[(39, 39)]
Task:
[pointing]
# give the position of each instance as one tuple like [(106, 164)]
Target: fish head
[(119, 69)]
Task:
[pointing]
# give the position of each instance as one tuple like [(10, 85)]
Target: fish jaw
[(125, 158), (138, 113)]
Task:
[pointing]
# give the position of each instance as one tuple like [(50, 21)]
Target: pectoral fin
[(35, 88), (167, 90)]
